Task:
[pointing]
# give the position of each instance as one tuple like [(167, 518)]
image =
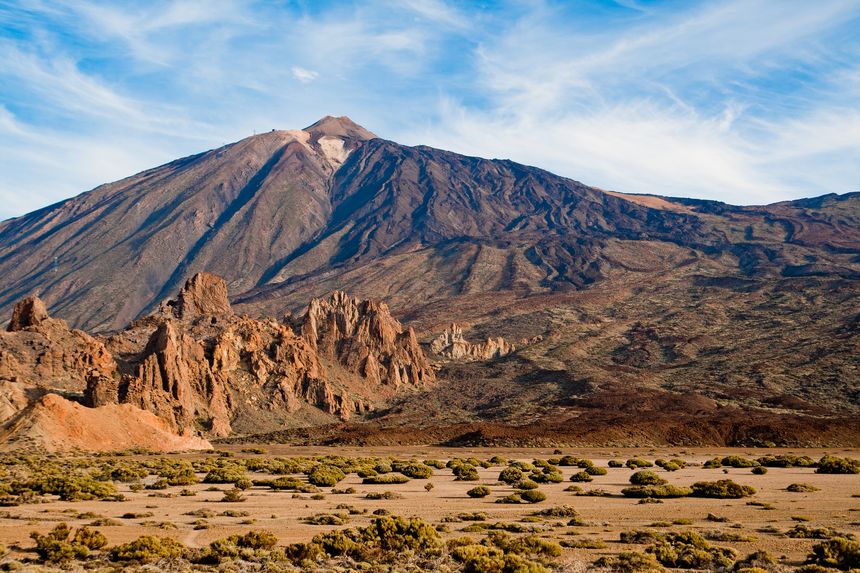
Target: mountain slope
[(288, 215)]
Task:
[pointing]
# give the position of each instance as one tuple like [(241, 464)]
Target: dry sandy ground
[(835, 505)]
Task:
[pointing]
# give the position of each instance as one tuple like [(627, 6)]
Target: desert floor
[(836, 504)]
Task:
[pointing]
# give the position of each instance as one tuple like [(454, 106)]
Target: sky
[(744, 101)]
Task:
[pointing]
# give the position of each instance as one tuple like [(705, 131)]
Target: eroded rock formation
[(197, 365), (43, 352), (452, 344), (363, 337)]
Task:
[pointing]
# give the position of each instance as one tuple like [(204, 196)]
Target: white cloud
[(303, 75)]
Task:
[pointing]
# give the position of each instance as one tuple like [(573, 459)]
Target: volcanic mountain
[(598, 296)]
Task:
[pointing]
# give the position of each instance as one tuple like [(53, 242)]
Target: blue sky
[(744, 101)]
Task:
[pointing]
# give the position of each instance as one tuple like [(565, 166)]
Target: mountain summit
[(339, 127)]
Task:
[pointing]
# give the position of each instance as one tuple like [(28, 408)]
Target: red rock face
[(364, 338), (202, 367), (29, 312), (43, 352)]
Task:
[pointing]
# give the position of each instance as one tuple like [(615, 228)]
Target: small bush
[(233, 496), (417, 471), (738, 462), (466, 472), (838, 552), (646, 477), (801, 488), (533, 496), (615, 464), (58, 545), (595, 471), (386, 479), (759, 470), (836, 465), (581, 477), (722, 489), (479, 491), (225, 474), (636, 463), (558, 512), (512, 498), (511, 475), (146, 549), (656, 491), (526, 484), (631, 562), (690, 550), (325, 476)]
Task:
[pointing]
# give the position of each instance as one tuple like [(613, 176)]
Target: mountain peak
[(339, 127)]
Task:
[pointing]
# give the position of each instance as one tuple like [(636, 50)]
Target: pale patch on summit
[(333, 150)]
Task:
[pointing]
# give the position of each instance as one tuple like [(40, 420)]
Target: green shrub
[(759, 470), (786, 461), (58, 546), (836, 465), (511, 475), (532, 496), (512, 498), (689, 550), (615, 464), (738, 462), (722, 489), (417, 471), (382, 468), (582, 476), (526, 484), (713, 464), (233, 496), (479, 491), (656, 491), (801, 531), (838, 552), (760, 559), (639, 537), (631, 562), (385, 479), (146, 549), (646, 477), (466, 472), (636, 463), (285, 483), (558, 511), (549, 475), (801, 488), (595, 471), (225, 474), (325, 476), (672, 465), (328, 519), (89, 538)]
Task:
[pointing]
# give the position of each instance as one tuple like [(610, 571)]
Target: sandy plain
[(836, 504)]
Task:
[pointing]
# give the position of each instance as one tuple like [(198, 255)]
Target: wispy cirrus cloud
[(745, 101)]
